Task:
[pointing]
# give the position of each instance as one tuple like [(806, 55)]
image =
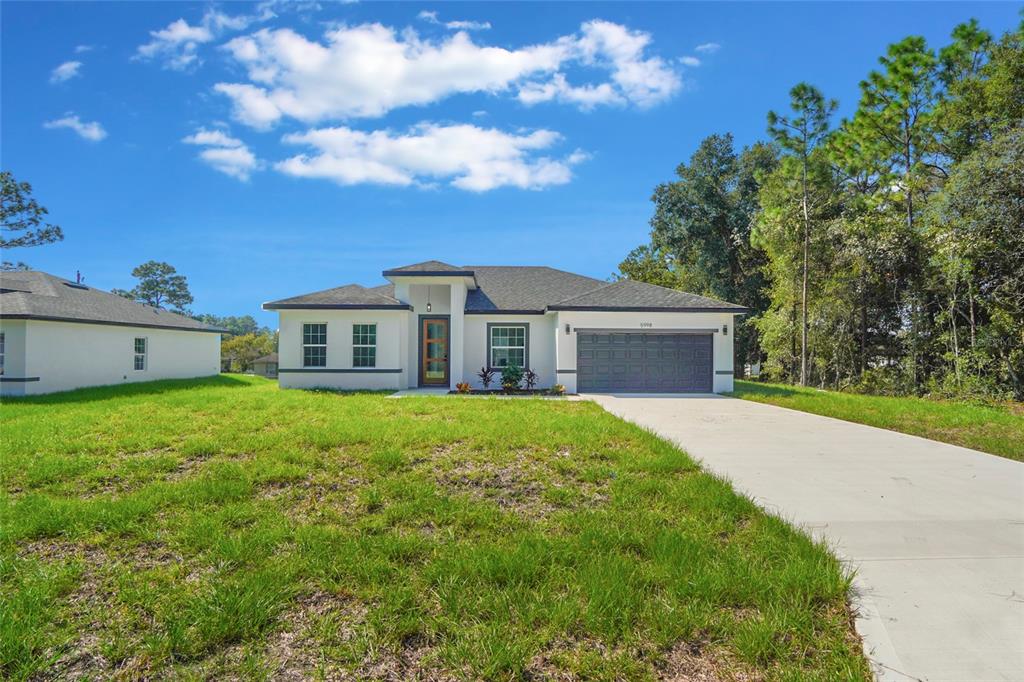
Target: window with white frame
[(140, 353), (314, 344), (3, 352), (364, 345), (507, 345)]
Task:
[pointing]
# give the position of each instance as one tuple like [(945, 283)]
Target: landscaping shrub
[(511, 377)]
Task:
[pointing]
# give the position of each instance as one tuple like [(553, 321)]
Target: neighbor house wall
[(541, 357), (59, 356), (339, 374), (722, 344)]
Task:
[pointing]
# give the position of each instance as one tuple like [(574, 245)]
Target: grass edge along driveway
[(223, 528), (996, 430)]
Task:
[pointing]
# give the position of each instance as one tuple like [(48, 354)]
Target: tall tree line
[(882, 253)]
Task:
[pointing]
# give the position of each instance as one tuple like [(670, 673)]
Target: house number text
[(646, 325)]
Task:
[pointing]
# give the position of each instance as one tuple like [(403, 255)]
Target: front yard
[(223, 529), (995, 429)]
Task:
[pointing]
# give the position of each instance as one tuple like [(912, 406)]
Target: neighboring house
[(436, 324), (266, 366), (57, 335)]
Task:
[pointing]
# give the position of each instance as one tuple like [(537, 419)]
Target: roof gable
[(350, 296), (41, 296), (630, 294), (528, 289), (430, 268)]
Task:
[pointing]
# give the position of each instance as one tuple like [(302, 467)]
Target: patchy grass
[(225, 529), (996, 430)]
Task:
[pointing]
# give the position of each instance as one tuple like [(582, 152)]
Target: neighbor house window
[(140, 353), (364, 345), (3, 352), (507, 345), (314, 345)]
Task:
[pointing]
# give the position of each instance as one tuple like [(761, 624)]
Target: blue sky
[(267, 150)]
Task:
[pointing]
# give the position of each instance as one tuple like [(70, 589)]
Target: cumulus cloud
[(91, 131), (431, 18), (65, 72), (468, 157), (689, 61), (370, 69), (708, 48), (224, 153), (177, 45)]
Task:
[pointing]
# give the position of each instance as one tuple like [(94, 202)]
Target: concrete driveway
[(934, 531)]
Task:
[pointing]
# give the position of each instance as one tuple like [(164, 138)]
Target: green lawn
[(998, 430), (225, 529)]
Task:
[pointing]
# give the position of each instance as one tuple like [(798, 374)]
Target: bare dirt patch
[(295, 650), (689, 661)]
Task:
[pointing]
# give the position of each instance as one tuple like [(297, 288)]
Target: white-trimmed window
[(314, 344), (3, 352), (141, 346), (364, 345), (507, 345)]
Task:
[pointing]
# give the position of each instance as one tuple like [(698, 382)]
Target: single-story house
[(265, 366), (434, 324), (57, 335)]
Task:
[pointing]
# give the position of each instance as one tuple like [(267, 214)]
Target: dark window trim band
[(725, 371), (336, 306), (49, 318), (321, 370), (17, 380), (504, 312), (565, 371)]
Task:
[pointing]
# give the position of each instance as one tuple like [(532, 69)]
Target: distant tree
[(160, 286), (22, 221), (801, 133), (238, 326), (242, 350)]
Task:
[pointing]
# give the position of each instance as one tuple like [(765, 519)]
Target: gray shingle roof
[(349, 296), (523, 288), (270, 357), (430, 268), (632, 295), (38, 295)]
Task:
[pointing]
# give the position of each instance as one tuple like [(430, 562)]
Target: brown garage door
[(643, 363)]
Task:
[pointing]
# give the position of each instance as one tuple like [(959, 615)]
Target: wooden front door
[(434, 351)]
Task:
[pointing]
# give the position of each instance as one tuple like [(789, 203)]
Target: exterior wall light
[(566, 328), (725, 329)]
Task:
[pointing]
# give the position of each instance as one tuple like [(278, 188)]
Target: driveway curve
[(935, 532)]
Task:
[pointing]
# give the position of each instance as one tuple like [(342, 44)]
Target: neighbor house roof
[(350, 296), (430, 268), (269, 357), (629, 294), (513, 289), (31, 295)]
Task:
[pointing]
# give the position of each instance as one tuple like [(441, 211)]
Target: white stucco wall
[(14, 357), (541, 346), (67, 355), (722, 344), (392, 345)]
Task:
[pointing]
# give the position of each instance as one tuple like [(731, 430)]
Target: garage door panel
[(644, 362)]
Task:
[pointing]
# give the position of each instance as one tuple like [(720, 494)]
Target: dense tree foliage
[(240, 351), (160, 286), (883, 254), (22, 220)]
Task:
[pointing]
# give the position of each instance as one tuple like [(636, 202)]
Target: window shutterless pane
[(314, 356), (314, 334), (140, 345), (364, 356)]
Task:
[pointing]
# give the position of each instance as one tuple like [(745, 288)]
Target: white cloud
[(224, 153), (370, 69), (470, 158), (65, 72), (479, 113), (689, 61), (178, 44), (88, 130), (431, 18), (79, 49), (709, 48)]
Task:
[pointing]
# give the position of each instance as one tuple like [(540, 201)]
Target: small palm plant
[(486, 375), (530, 378)]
